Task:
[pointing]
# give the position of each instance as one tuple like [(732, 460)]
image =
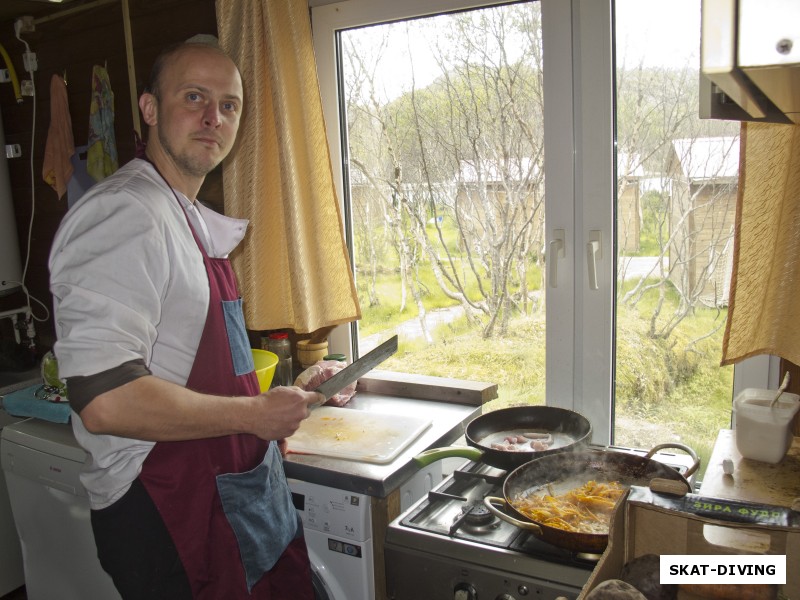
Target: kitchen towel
[(102, 153), (764, 309), (24, 403), (60, 146)]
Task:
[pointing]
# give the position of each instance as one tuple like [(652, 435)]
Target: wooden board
[(356, 434), (427, 387)]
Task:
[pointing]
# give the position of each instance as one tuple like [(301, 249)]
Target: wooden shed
[(705, 176)]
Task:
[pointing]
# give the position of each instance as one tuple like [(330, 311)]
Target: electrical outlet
[(26, 87), (13, 151), (4, 76), (29, 62)]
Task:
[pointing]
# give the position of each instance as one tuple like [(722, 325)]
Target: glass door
[(676, 187)]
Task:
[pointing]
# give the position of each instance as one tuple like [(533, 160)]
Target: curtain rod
[(70, 11)]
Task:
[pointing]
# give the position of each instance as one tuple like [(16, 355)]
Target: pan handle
[(423, 459), (490, 501), (685, 448)]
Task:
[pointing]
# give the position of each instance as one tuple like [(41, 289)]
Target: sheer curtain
[(764, 311), (294, 270)]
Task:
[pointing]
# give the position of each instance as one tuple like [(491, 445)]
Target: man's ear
[(149, 107)]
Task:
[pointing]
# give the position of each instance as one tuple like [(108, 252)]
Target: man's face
[(198, 108)]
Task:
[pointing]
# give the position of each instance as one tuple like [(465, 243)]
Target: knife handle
[(321, 399)]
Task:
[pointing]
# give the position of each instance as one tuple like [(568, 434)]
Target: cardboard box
[(651, 523)]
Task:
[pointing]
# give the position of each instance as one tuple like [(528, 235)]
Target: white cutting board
[(356, 434)]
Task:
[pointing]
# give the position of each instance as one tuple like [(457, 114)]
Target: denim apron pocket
[(258, 506), (237, 337)]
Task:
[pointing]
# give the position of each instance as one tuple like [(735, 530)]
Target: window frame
[(580, 165)]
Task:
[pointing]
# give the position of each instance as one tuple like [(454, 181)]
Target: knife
[(352, 372)]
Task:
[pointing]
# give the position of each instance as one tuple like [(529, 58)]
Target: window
[(513, 227)]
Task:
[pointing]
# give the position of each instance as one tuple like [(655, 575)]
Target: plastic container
[(764, 433), (50, 376), (309, 354), (280, 345), (265, 363)]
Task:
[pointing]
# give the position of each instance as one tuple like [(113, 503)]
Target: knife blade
[(356, 369)]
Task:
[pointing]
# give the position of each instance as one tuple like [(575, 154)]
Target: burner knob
[(464, 591)]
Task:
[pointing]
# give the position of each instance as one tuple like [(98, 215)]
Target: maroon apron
[(225, 500)]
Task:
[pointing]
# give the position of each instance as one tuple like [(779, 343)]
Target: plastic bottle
[(279, 344)]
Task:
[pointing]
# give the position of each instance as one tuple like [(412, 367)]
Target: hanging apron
[(225, 501)]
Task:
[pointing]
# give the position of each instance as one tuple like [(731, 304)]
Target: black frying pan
[(569, 431), (557, 474)]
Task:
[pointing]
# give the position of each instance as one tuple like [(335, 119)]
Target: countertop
[(13, 382), (450, 404), (751, 480), (379, 480)]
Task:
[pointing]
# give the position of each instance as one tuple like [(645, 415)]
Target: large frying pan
[(557, 474), (569, 431)]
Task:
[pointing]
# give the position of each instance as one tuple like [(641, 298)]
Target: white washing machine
[(338, 530), (41, 461), (11, 573)]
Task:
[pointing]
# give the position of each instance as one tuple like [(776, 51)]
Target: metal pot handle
[(685, 448), (490, 501)]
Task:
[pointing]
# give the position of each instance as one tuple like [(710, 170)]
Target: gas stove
[(448, 545)]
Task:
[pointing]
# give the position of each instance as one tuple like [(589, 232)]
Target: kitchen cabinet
[(751, 480)]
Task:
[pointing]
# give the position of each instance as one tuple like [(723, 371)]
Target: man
[(186, 485)]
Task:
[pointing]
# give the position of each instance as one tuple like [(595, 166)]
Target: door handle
[(556, 250), (594, 250)]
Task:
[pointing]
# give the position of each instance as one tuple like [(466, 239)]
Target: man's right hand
[(283, 409)]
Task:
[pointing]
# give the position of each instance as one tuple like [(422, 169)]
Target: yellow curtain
[(293, 268), (764, 310)]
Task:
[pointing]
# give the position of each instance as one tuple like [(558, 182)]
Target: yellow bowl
[(265, 362)]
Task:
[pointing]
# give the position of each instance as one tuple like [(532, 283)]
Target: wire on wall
[(30, 67)]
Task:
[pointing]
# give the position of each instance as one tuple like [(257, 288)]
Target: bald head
[(172, 54)]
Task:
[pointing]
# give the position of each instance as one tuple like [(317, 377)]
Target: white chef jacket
[(128, 283)]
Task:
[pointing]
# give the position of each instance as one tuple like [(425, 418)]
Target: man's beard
[(186, 163)]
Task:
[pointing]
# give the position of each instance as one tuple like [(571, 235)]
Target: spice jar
[(279, 344)]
